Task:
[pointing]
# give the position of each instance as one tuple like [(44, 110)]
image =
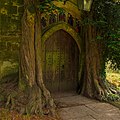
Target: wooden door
[(61, 61)]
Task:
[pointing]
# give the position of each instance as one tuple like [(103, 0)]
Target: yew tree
[(30, 75), (28, 94), (101, 35)]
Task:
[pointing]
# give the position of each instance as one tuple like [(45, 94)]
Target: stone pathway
[(77, 107)]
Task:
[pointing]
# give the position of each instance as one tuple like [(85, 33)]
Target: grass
[(114, 78)]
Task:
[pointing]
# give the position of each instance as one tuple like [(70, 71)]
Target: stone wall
[(9, 54), (10, 34), (11, 12)]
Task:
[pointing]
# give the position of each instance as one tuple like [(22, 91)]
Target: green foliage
[(113, 97), (106, 17)]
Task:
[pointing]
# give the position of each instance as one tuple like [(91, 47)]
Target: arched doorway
[(61, 62)]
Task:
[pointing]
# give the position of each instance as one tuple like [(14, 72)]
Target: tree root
[(107, 92), (10, 101), (31, 101)]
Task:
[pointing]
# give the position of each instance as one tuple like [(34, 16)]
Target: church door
[(61, 62)]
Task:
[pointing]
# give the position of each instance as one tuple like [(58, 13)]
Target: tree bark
[(39, 100), (92, 82), (94, 64)]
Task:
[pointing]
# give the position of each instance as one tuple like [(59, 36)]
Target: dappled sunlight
[(113, 76)]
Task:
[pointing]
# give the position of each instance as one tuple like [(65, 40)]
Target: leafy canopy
[(107, 18)]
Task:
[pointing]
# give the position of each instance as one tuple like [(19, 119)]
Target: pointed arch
[(68, 29)]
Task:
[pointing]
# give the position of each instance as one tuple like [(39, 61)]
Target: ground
[(77, 107), (72, 107), (12, 115)]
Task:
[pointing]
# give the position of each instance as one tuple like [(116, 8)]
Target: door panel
[(61, 61)]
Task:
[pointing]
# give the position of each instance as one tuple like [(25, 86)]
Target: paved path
[(76, 107)]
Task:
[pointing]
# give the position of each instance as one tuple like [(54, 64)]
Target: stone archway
[(66, 27), (62, 58)]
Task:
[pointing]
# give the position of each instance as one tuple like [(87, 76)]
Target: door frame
[(67, 28), (76, 36)]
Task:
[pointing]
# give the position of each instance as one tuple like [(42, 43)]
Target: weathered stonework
[(66, 27), (10, 35), (10, 28)]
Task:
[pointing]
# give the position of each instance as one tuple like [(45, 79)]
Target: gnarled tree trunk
[(38, 98), (93, 84), (94, 80)]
